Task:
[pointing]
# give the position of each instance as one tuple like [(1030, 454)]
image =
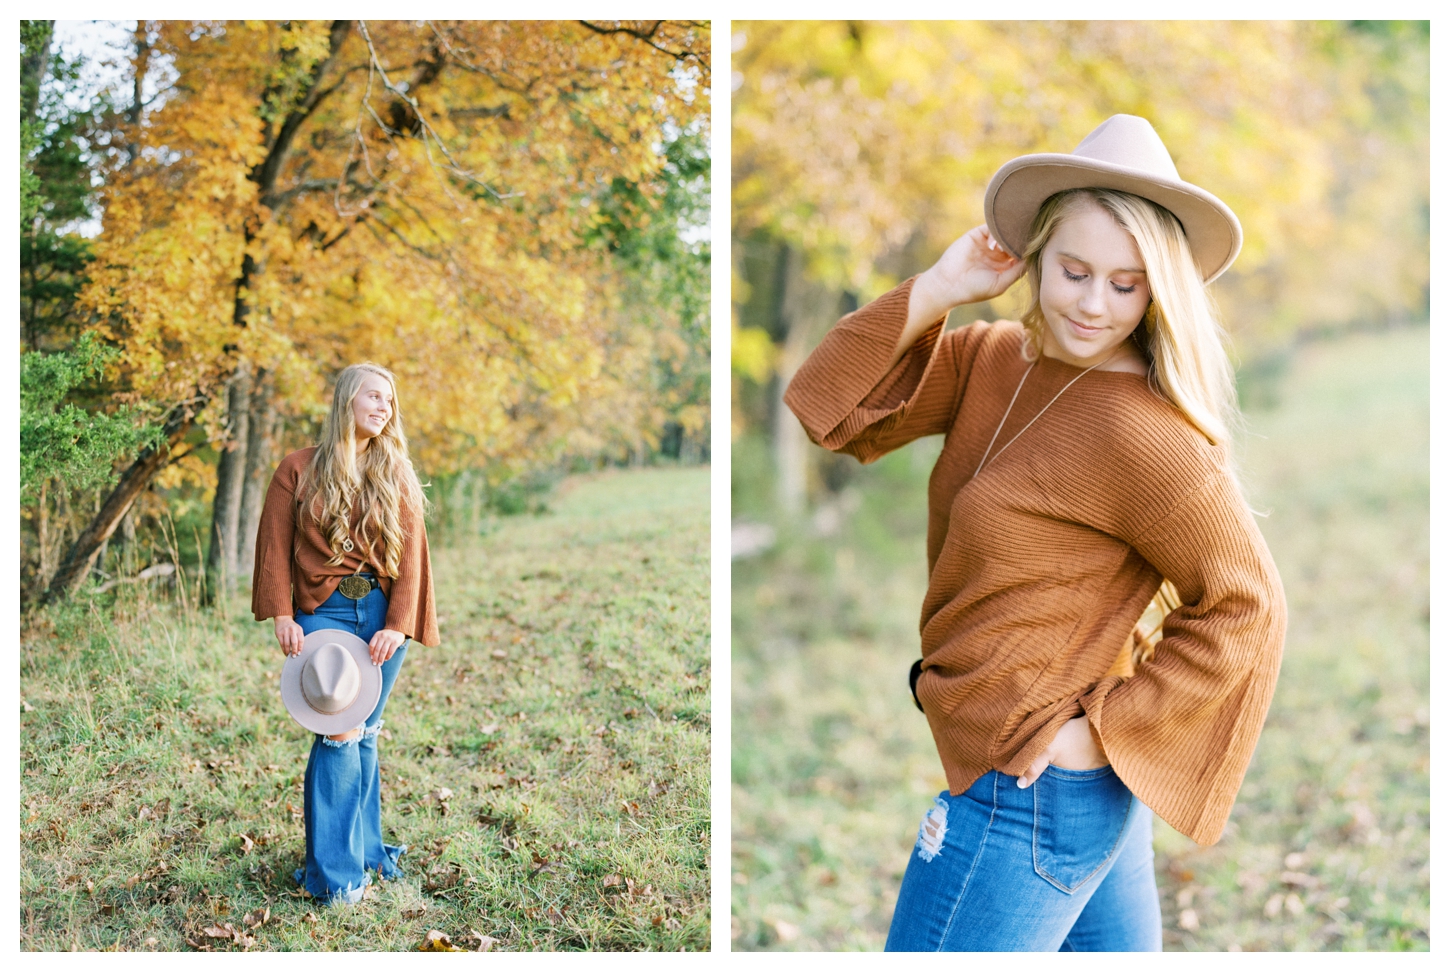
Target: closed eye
[(1080, 277)]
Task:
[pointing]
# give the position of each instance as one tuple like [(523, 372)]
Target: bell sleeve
[(410, 599), (272, 563), (851, 399), (1180, 733)]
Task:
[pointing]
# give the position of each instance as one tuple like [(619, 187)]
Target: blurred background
[(860, 150)]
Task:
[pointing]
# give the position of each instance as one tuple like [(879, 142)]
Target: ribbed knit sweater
[(291, 573), (1039, 567)]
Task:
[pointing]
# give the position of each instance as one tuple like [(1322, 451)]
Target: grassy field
[(548, 765), (1328, 845)]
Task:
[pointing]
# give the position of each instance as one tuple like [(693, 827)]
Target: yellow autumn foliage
[(868, 146), (425, 195)]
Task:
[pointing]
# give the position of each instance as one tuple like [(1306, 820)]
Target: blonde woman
[(1087, 458), (342, 545)]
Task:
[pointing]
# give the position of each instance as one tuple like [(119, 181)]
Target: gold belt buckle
[(355, 587)]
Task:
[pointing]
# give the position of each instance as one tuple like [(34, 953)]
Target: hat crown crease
[(330, 679), (1131, 142)]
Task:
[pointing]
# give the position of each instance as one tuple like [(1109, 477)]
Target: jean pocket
[(1078, 819)]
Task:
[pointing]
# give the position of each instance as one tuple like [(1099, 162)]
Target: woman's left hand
[(1072, 748), (384, 643)]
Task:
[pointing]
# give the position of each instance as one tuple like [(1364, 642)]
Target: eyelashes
[(1080, 277)]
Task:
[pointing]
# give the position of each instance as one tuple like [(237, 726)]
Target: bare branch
[(646, 37), (426, 130)]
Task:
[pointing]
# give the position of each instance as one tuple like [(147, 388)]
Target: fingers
[(289, 638), (1033, 772), (382, 646)]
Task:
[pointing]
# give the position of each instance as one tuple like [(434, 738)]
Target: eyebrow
[(1074, 256)]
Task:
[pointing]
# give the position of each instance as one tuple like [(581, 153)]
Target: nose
[(1093, 302)]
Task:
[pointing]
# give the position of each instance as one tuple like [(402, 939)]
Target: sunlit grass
[(1328, 846), (547, 764)]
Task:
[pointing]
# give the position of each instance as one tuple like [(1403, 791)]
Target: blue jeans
[(1063, 865), (341, 805)]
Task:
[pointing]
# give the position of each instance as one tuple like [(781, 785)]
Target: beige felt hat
[(1126, 154), (331, 686)]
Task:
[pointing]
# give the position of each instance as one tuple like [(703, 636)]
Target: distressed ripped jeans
[(341, 801), (1063, 865)]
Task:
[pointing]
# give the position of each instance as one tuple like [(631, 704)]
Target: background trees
[(861, 149), (500, 212)]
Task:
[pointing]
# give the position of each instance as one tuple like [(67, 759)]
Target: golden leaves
[(858, 142), (280, 204)]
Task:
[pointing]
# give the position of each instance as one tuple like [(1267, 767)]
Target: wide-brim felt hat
[(331, 686), (1123, 153)]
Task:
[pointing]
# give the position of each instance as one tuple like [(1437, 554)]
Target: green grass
[(567, 711), (1328, 845)]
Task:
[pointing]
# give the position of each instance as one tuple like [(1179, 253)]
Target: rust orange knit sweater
[(291, 572), (1039, 567)]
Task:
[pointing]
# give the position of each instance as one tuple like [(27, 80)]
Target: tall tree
[(420, 194)]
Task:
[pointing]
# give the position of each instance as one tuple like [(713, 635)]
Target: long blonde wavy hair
[(375, 484), (1179, 334)]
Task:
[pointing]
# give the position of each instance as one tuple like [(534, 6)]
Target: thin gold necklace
[(1034, 418)]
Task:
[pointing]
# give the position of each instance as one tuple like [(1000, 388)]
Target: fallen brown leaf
[(479, 943), (437, 941), (258, 918), (219, 931), (26, 706)]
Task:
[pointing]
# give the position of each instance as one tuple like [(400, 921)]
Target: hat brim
[(1020, 187), (368, 692)]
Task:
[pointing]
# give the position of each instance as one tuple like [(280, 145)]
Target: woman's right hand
[(973, 269), (289, 634)]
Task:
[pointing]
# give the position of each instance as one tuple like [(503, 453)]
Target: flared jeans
[(1063, 865), (341, 800)]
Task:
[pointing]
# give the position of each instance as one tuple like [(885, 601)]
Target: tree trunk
[(261, 444), (42, 536), (128, 543), (226, 510), (807, 310), (106, 543), (133, 483)]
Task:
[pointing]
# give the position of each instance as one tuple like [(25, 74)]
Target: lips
[(1084, 329)]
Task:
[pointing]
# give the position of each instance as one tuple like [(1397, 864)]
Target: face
[(1094, 289), (372, 407)]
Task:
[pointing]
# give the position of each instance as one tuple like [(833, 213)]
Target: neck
[(1125, 357)]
